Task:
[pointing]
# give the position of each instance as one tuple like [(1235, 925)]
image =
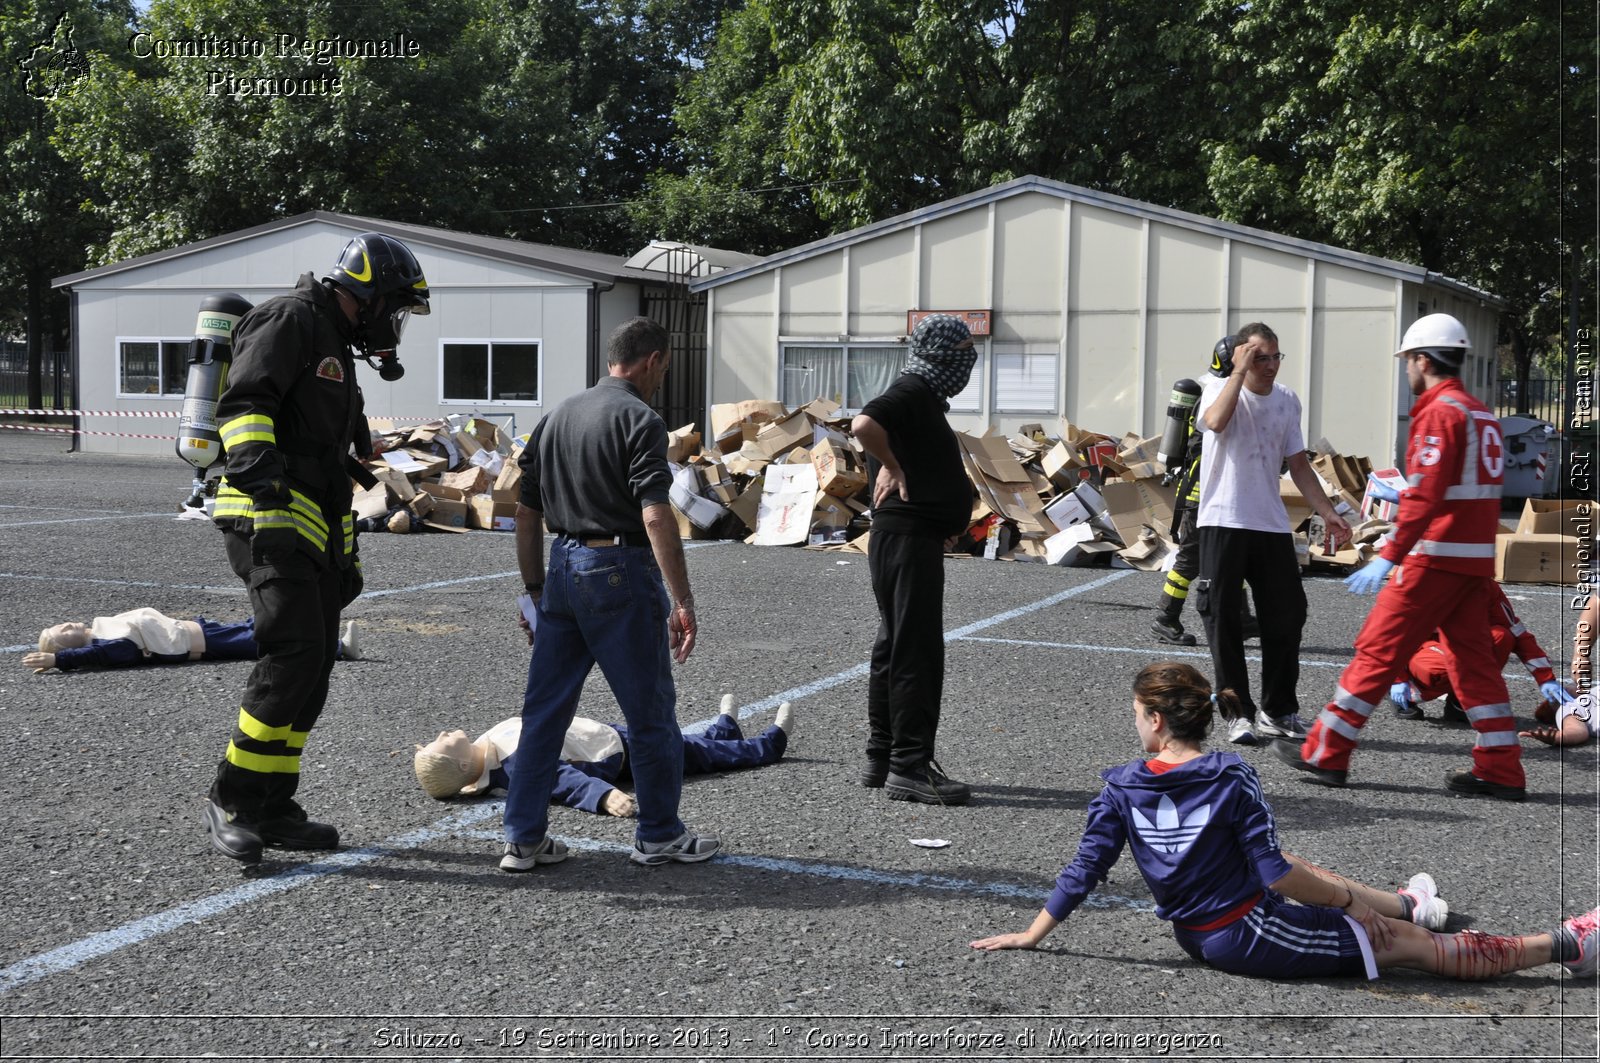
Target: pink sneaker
[(1586, 928)]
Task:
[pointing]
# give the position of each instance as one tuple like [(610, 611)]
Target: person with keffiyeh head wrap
[(921, 500)]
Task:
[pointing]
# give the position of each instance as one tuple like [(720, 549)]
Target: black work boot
[(1168, 628), (286, 826), (230, 836)]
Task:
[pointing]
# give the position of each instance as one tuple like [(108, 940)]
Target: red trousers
[(1430, 666), (1413, 604)]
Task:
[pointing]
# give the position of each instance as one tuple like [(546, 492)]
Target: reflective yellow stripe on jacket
[(303, 515), (248, 428)]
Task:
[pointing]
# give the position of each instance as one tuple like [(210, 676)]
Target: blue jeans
[(605, 606)]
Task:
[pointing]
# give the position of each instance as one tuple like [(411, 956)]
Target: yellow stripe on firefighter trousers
[(251, 727), (248, 428), (266, 764)]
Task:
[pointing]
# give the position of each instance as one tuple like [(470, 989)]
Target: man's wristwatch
[(534, 588)]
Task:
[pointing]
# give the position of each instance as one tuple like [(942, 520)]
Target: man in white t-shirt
[(1252, 427)]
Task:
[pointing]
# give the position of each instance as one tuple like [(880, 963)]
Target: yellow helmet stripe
[(366, 270)]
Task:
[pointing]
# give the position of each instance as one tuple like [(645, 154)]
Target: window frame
[(903, 343), (995, 407), (488, 399), (160, 341)]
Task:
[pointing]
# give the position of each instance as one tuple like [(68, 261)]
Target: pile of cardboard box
[(775, 476), (450, 475), (1553, 543)]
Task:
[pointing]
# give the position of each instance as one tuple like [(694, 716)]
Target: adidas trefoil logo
[(1169, 834)]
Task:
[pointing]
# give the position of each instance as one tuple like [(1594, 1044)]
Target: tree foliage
[(1414, 130), (43, 52)]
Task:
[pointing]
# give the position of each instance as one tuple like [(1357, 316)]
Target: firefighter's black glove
[(351, 583)]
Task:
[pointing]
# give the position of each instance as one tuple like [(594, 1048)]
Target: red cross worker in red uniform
[(1443, 547)]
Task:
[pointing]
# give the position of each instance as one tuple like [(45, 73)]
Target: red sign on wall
[(977, 321)]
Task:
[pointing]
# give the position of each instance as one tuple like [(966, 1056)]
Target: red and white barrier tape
[(178, 413), (90, 413), (81, 432)]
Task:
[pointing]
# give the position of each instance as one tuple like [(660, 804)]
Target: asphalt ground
[(821, 933)]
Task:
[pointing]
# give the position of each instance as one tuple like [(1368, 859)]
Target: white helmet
[(1433, 333)]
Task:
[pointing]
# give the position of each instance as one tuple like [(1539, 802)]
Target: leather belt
[(597, 540)]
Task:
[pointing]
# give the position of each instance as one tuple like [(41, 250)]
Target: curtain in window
[(812, 373), (872, 370)]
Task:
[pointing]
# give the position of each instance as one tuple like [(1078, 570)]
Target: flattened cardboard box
[(1134, 504), (448, 514)]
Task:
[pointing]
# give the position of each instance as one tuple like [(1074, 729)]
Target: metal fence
[(56, 382), (1544, 399)]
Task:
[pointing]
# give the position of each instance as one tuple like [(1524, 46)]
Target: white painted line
[(806, 690), (235, 589), (80, 952), (1007, 890), (87, 520)]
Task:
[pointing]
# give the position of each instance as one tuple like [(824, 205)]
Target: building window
[(497, 371), (1025, 379), (147, 367), (851, 375)]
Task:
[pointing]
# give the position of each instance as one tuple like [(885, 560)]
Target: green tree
[(43, 52), (506, 116), (869, 107), (1414, 130)]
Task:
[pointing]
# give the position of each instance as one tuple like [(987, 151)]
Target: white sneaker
[(1428, 908), (349, 647), (1290, 726), (1240, 732), (785, 719)]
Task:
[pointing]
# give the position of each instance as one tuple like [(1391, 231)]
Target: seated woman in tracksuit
[(1204, 840), (594, 756), (147, 636)]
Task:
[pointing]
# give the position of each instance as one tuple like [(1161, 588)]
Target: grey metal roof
[(1062, 190), (588, 265)]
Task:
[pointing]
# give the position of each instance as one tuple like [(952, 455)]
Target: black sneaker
[(928, 785), (233, 839), (874, 774), (1289, 753), (1452, 710), (1170, 629), (1464, 782)]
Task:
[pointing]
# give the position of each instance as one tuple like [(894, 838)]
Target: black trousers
[(1230, 558), (907, 679), (1175, 590), (296, 604)]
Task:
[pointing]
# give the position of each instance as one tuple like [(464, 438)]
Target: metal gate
[(671, 305)]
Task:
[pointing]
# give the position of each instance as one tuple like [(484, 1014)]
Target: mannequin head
[(448, 763), (68, 636)]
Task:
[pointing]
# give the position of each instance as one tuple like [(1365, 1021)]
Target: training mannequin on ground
[(146, 636), (593, 757)]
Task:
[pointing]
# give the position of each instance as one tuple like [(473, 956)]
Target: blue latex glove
[(1369, 577), (1555, 693), (1400, 694), (1379, 489)]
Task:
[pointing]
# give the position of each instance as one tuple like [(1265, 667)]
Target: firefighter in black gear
[(288, 416), (1167, 626)]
